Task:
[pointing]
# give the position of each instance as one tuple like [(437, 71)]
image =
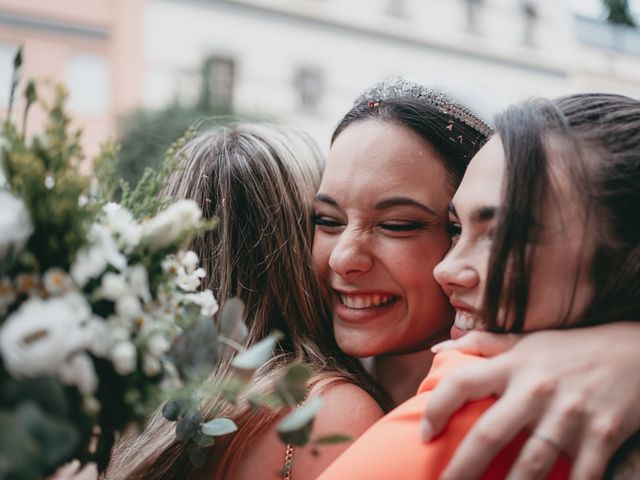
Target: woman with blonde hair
[(258, 180)]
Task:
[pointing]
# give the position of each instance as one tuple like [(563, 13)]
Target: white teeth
[(359, 302), (466, 321)]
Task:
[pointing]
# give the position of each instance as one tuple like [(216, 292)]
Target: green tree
[(618, 12)]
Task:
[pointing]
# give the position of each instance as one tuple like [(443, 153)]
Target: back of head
[(450, 119), (258, 180), (597, 139)]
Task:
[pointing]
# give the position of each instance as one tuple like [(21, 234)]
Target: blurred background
[(143, 70)]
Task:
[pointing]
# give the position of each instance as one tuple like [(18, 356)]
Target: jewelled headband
[(400, 87)]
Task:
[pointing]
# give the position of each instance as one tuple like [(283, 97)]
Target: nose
[(454, 273), (351, 254)]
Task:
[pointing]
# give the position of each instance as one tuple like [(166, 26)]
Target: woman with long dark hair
[(545, 235)]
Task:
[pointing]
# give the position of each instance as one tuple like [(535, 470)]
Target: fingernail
[(426, 430), (446, 345)]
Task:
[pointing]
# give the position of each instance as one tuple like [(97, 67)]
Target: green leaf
[(332, 439), (219, 426), (188, 425), (257, 355), (295, 381), (196, 350), (232, 388), (232, 324), (203, 440), (197, 454), (296, 427), (171, 410)]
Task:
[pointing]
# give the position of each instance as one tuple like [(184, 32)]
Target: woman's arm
[(578, 388)]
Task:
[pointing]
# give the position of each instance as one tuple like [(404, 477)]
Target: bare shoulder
[(346, 409)]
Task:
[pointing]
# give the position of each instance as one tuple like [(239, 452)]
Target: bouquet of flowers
[(101, 316)]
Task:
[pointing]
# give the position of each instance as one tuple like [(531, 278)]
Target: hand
[(578, 389)]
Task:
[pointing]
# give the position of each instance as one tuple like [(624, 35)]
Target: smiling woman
[(545, 236)]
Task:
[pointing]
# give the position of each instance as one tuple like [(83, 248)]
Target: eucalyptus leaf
[(232, 324), (295, 381), (219, 426), (196, 350), (232, 388), (257, 355), (188, 424), (203, 440), (197, 454), (295, 428), (171, 410), (332, 439)]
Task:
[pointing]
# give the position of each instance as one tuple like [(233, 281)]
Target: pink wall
[(56, 32)]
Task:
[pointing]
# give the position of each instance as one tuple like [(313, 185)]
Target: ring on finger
[(548, 440)]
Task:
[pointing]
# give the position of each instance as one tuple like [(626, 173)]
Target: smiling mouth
[(362, 302), (468, 321)]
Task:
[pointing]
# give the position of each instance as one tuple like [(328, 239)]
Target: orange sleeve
[(392, 449)]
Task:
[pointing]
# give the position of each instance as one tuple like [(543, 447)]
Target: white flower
[(189, 260), (124, 358), (93, 260), (139, 282), (79, 371), (122, 223), (128, 307), (158, 345), (151, 366), (15, 223), (113, 286), (189, 282), (56, 281), (205, 300), (170, 225), (38, 337)]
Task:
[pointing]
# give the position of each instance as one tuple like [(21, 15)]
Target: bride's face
[(560, 284), (380, 216)]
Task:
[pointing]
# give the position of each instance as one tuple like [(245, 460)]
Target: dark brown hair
[(454, 141), (598, 136)]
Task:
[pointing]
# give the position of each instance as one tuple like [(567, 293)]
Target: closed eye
[(325, 221), (401, 226)]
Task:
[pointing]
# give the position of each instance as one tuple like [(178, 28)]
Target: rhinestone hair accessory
[(401, 87)]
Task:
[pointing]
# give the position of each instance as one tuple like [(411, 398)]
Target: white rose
[(15, 223), (93, 260), (139, 282), (168, 226), (158, 345), (113, 286), (122, 223), (205, 300), (79, 371), (128, 307), (124, 357), (38, 337)]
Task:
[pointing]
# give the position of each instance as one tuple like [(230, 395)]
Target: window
[(88, 84), (218, 82), (530, 12), (309, 84), (473, 12)]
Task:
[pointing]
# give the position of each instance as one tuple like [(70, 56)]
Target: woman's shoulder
[(346, 409)]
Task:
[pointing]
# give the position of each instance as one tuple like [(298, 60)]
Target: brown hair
[(259, 181), (599, 137)]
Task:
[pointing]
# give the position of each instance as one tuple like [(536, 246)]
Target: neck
[(401, 374)]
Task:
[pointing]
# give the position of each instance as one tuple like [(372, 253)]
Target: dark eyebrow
[(403, 201), (478, 215), (321, 197)]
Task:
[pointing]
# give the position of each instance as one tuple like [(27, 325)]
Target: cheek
[(321, 251)]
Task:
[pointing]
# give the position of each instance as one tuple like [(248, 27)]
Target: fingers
[(472, 382), (483, 344), (496, 428), (601, 440)]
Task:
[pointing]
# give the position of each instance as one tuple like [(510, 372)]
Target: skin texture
[(561, 286), (542, 385), (346, 409), (380, 214)]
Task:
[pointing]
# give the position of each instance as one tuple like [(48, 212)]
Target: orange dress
[(392, 448)]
